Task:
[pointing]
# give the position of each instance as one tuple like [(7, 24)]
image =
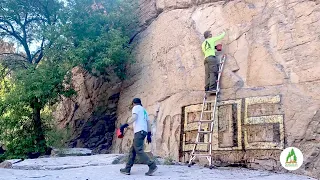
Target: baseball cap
[(137, 101)]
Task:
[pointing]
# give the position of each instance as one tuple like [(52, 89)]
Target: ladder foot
[(189, 165), (207, 166)]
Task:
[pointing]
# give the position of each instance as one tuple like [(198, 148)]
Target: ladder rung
[(201, 155), (206, 121), (203, 143), (209, 102), (208, 111), (204, 131), (213, 91)]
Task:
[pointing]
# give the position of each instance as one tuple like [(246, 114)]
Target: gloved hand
[(122, 127), (149, 137)]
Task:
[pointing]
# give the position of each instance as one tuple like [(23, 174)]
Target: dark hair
[(137, 101), (206, 34)]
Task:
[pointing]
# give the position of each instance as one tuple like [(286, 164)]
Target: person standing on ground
[(211, 63), (142, 129)]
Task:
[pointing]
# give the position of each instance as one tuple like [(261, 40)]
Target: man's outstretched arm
[(217, 38)]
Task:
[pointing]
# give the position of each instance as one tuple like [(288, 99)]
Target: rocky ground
[(102, 167)]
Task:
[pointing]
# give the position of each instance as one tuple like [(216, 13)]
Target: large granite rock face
[(270, 86), (91, 114)]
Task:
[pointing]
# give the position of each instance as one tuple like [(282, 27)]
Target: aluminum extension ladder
[(208, 154)]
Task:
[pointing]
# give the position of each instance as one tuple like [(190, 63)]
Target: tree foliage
[(96, 36), (81, 33), (26, 22)]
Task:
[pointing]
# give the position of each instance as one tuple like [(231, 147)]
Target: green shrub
[(168, 161), (57, 138), (2, 158)]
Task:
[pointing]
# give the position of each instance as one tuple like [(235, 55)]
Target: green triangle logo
[(291, 157)]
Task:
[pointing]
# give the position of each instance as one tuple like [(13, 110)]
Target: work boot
[(125, 171), (152, 169)]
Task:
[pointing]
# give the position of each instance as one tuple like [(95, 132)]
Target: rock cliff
[(91, 114), (270, 85)]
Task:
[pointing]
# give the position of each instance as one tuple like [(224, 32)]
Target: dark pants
[(211, 72), (137, 149)]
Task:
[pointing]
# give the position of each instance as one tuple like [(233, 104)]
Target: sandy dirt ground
[(100, 167)]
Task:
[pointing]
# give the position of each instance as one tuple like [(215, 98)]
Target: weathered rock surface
[(271, 81), (91, 114)]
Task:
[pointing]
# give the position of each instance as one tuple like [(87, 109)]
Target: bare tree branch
[(8, 23), (11, 32), (28, 21), (37, 60), (25, 19), (13, 54), (13, 63)]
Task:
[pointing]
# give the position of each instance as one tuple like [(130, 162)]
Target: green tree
[(32, 89), (94, 36), (26, 23)]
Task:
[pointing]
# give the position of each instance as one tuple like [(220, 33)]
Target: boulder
[(71, 152), (6, 164)]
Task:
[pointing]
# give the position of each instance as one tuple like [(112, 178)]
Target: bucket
[(219, 47), (119, 134)]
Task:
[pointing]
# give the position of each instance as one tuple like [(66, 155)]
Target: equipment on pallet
[(206, 103)]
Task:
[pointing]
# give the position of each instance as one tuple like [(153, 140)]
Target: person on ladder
[(211, 63)]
